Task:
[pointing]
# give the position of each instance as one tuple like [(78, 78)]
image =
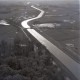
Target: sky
[(42, 0), (52, 1)]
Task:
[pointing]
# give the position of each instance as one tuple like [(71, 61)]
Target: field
[(67, 31)]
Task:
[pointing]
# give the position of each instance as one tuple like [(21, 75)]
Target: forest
[(19, 61)]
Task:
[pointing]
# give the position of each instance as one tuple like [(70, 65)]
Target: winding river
[(63, 58)]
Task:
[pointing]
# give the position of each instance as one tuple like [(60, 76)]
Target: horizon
[(52, 2)]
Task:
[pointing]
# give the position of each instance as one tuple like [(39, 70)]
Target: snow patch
[(3, 22)]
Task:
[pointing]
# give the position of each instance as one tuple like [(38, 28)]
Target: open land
[(62, 25)]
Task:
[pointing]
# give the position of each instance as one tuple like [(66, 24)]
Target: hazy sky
[(52, 1), (40, 0)]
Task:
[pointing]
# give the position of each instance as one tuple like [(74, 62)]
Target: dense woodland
[(22, 62)]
